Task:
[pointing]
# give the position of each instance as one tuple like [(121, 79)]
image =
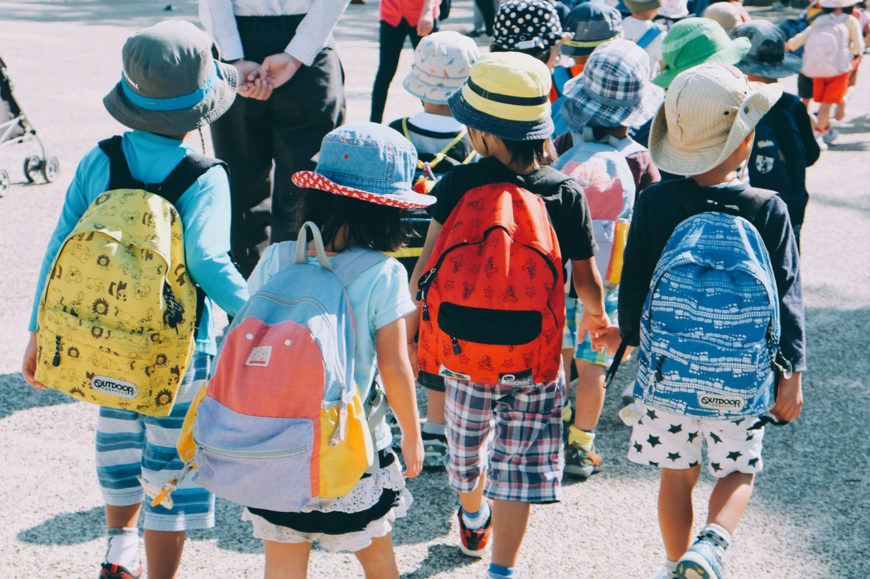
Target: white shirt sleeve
[(218, 19), (315, 29)]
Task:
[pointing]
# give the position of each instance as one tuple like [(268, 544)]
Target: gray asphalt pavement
[(808, 516)]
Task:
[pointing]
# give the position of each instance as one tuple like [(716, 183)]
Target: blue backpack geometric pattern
[(710, 325)]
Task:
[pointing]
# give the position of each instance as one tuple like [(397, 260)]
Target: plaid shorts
[(674, 441), (130, 445), (512, 431)]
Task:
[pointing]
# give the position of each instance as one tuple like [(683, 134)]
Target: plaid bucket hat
[(767, 56), (506, 95), (613, 90), (694, 41), (708, 111), (442, 62), (591, 23), (527, 25), (171, 84), (366, 161)]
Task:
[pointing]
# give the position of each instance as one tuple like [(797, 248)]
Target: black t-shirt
[(562, 195)]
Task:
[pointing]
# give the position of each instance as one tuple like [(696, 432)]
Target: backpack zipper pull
[(456, 348), (425, 312), (659, 375), (56, 360)]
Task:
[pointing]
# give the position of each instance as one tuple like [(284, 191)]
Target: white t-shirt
[(633, 29)]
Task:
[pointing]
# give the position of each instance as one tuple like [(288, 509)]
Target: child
[(784, 145), (830, 78), (528, 26), (399, 19), (504, 104), (128, 443), (640, 28), (442, 62), (613, 93), (592, 23), (671, 12), (705, 130), (357, 197), (728, 14)]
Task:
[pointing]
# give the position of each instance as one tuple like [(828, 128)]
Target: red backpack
[(492, 296)]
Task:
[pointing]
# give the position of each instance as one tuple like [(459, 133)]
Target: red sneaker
[(473, 542), (113, 571)]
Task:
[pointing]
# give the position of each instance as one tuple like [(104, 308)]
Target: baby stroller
[(15, 128)]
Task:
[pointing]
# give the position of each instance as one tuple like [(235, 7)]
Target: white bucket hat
[(442, 62), (708, 111), (837, 3)]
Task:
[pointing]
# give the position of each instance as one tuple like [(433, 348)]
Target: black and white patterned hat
[(523, 25)]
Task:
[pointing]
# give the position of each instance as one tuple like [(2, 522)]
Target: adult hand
[(425, 23), (28, 365), (278, 69), (250, 84), (789, 398)]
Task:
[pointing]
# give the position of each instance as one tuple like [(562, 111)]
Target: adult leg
[(242, 138), (286, 560), (307, 107), (676, 513), (487, 8), (391, 39), (378, 559)]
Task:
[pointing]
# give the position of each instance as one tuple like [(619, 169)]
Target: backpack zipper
[(249, 454)]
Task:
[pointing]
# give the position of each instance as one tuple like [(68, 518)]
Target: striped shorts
[(512, 431), (130, 445)]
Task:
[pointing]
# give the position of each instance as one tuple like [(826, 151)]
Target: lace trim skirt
[(347, 523)]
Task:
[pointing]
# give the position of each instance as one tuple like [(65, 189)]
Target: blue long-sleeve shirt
[(204, 210)]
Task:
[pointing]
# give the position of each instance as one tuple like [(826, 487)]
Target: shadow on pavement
[(67, 529), (18, 395)]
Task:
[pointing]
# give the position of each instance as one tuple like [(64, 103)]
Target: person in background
[(784, 144), (289, 48), (400, 19)]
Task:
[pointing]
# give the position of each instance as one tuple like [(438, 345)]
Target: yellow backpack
[(117, 318)]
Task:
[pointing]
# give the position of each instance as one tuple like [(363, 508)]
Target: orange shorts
[(831, 89)]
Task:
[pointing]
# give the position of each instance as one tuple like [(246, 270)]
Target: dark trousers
[(488, 9), (392, 39), (284, 131)]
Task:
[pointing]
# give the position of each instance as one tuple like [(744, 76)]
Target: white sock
[(723, 535), (671, 566), (432, 428), (123, 547), (476, 520)]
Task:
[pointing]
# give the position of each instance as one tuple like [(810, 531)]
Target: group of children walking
[(531, 252)]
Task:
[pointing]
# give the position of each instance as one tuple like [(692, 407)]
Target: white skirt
[(364, 506)]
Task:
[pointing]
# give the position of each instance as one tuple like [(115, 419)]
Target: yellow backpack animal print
[(117, 319)]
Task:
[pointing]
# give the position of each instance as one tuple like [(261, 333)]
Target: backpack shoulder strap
[(119, 171), (185, 174), (648, 36)]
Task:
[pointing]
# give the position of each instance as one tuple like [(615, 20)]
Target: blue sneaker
[(703, 560)]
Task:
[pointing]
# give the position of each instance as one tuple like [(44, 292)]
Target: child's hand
[(592, 324), (412, 452), (28, 365), (789, 398), (609, 339)]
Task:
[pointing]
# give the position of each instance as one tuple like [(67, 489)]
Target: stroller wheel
[(50, 169), (4, 181), (32, 167)]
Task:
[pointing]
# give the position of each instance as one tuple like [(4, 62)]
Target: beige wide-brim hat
[(708, 111)]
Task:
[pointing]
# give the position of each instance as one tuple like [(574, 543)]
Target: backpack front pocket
[(255, 461)]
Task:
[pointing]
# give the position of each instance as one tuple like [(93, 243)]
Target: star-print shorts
[(674, 441)]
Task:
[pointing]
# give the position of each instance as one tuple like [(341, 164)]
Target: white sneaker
[(830, 135), (820, 141)]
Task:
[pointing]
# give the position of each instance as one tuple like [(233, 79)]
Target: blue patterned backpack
[(710, 325)]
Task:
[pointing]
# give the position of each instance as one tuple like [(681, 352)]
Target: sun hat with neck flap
[(171, 84), (694, 41), (506, 95), (708, 111), (767, 56)]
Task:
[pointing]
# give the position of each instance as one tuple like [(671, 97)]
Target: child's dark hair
[(542, 54), (379, 227), (846, 10), (541, 151)]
